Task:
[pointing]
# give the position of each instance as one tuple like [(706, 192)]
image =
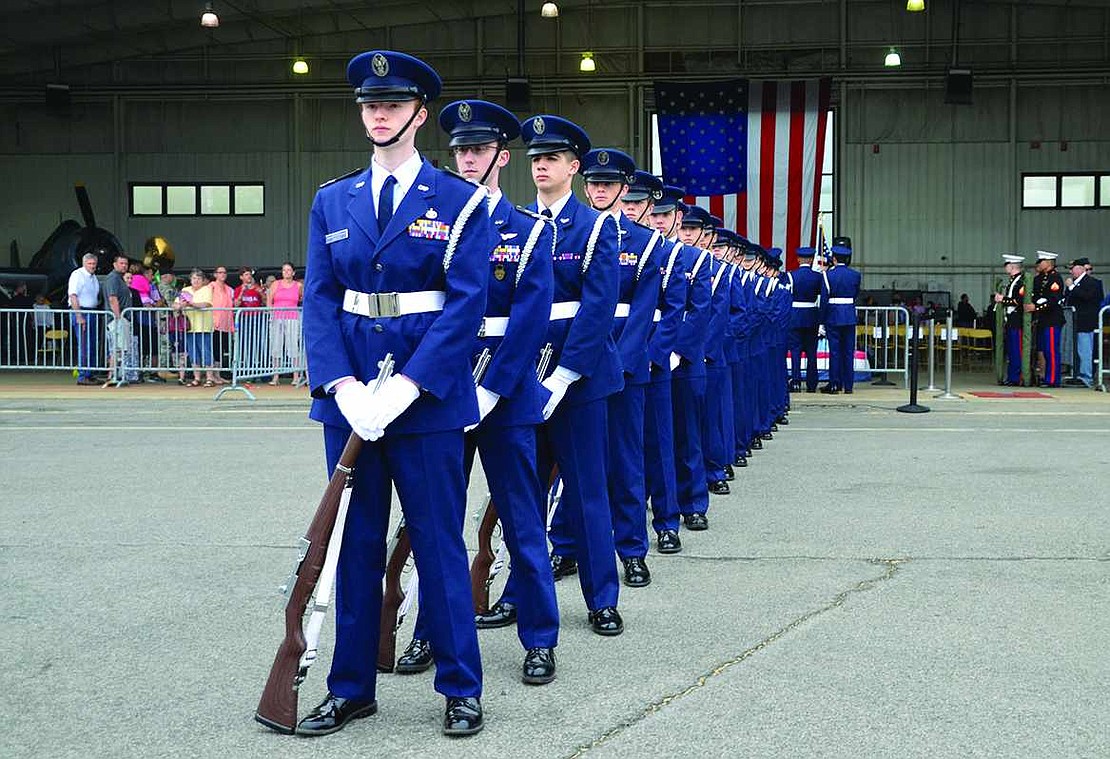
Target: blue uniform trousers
[(659, 470), (575, 438), (427, 470), (509, 461), (688, 402), (804, 340), (842, 355), (1013, 355), (627, 492), (719, 426), (1049, 344), (740, 403), (759, 393)]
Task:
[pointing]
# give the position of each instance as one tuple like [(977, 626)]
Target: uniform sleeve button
[(378, 267), (378, 328)]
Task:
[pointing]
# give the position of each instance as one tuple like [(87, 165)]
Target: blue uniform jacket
[(524, 296), (432, 349), (743, 316), (761, 302), (732, 337), (807, 289), (641, 256), (585, 344), (840, 281), (717, 330), (695, 324), (783, 301), (671, 305)]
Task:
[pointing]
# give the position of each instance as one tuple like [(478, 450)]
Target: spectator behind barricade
[(1084, 293), (146, 296), (965, 312), (285, 330), (247, 294), (194, 301), (117, 296), (83, 294), (17, 328), (173, 325), (223, 323), (251, 323), (140, 282), (44, 321)]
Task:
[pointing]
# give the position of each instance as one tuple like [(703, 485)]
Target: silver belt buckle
[(386, 305)]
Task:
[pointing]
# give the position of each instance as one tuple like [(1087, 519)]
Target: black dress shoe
[(847, 392), (783, 420), (696, 521), (669, 542), (767, 436), (757, 444), (795, 387), (539, 666), (811, 390), (730, 473), (607, 621), (463, 716), (501, 614), (563, 566), (774, 427), (829, 390), (636, 573), (719, 487), (416, 658), (333, 713), (741, 462)]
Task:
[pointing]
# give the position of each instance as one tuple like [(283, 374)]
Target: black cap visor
[(388, 94)]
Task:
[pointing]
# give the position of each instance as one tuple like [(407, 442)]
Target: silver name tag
[(331, 237)]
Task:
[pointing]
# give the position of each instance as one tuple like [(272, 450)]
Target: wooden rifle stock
[(392, 597), (277, 709), (483, 560)]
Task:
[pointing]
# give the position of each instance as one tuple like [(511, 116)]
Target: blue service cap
[(671, 200), (608, 165), (546, 134), (387, 76), (715, 222), (751, 250), (806, 252), (478, 122), (645, 186), (696, 216), (681, 207), (727, 237), (842, 251)]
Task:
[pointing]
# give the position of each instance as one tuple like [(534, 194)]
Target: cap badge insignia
[(602, 158), (380, 64), (465, 113), (538, 126), (657, 194)]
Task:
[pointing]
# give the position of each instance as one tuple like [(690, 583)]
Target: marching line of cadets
[(664, 340)]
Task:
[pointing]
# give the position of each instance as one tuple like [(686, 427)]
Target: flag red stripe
[(794, 173), (767, 165), (822, 125), (742, 213), (717, 206)]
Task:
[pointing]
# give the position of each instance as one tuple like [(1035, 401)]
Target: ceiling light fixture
[(549, 10), (587, 64), (209, 19), (892, 59), (300, 67), (915, 6)]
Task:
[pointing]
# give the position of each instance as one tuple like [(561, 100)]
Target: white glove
[(355, 401), (675, 361), (397, 394), (821, 330), (558, 383), (487, 399)]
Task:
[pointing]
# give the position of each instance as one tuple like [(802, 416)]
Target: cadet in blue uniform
[(744, 318), (838, 306), (587, 366), (510, 398), (806, 288), (688, 383), (783, 300), (1048, 313), (717, 432), (729, 244), (659, 205), (1012, 298), (608, 174), (397, 263)]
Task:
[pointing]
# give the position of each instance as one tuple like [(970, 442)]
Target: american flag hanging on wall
[(750, 152)]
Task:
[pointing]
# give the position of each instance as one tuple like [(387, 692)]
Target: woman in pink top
[(285, 327), (223, 321)]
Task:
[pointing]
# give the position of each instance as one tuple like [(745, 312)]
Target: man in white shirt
[(84, 296)]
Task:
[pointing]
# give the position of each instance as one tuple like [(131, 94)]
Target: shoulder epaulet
[(456, 175), (533, 214), (348, 175)]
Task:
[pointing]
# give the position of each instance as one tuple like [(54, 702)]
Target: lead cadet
[(1012, 299), (587, 367), (806, 289), (510, 398), (689, 382), (648, 199), (717, 432), (838, 312), (1045, 305), (397, 261), (608, 173)]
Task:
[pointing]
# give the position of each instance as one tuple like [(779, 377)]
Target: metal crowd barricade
[(885, 331), (1101, 372), (268, 343), (44, 338)]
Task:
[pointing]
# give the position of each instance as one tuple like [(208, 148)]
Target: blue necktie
[(385, 204)]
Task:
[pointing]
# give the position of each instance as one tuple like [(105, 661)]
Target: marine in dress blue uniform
[(688, 385), (608, 174), (840, 288), (587, 366), (1012, 299), (804, 312), (397, 263), (1048, 313), (510, 398)]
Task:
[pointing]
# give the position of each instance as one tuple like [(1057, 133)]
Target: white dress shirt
[(85, 286), (555, 207), (405, 174)]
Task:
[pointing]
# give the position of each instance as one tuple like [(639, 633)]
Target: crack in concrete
[(891, 567), (808, 557)]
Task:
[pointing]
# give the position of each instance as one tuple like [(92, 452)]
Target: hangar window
[(1104, 191), (198, 199), (1038, 192), (1065, 190)]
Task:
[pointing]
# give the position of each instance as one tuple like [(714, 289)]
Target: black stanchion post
[(913, 407)]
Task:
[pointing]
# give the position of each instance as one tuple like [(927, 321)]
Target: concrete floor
[(878, 584)]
